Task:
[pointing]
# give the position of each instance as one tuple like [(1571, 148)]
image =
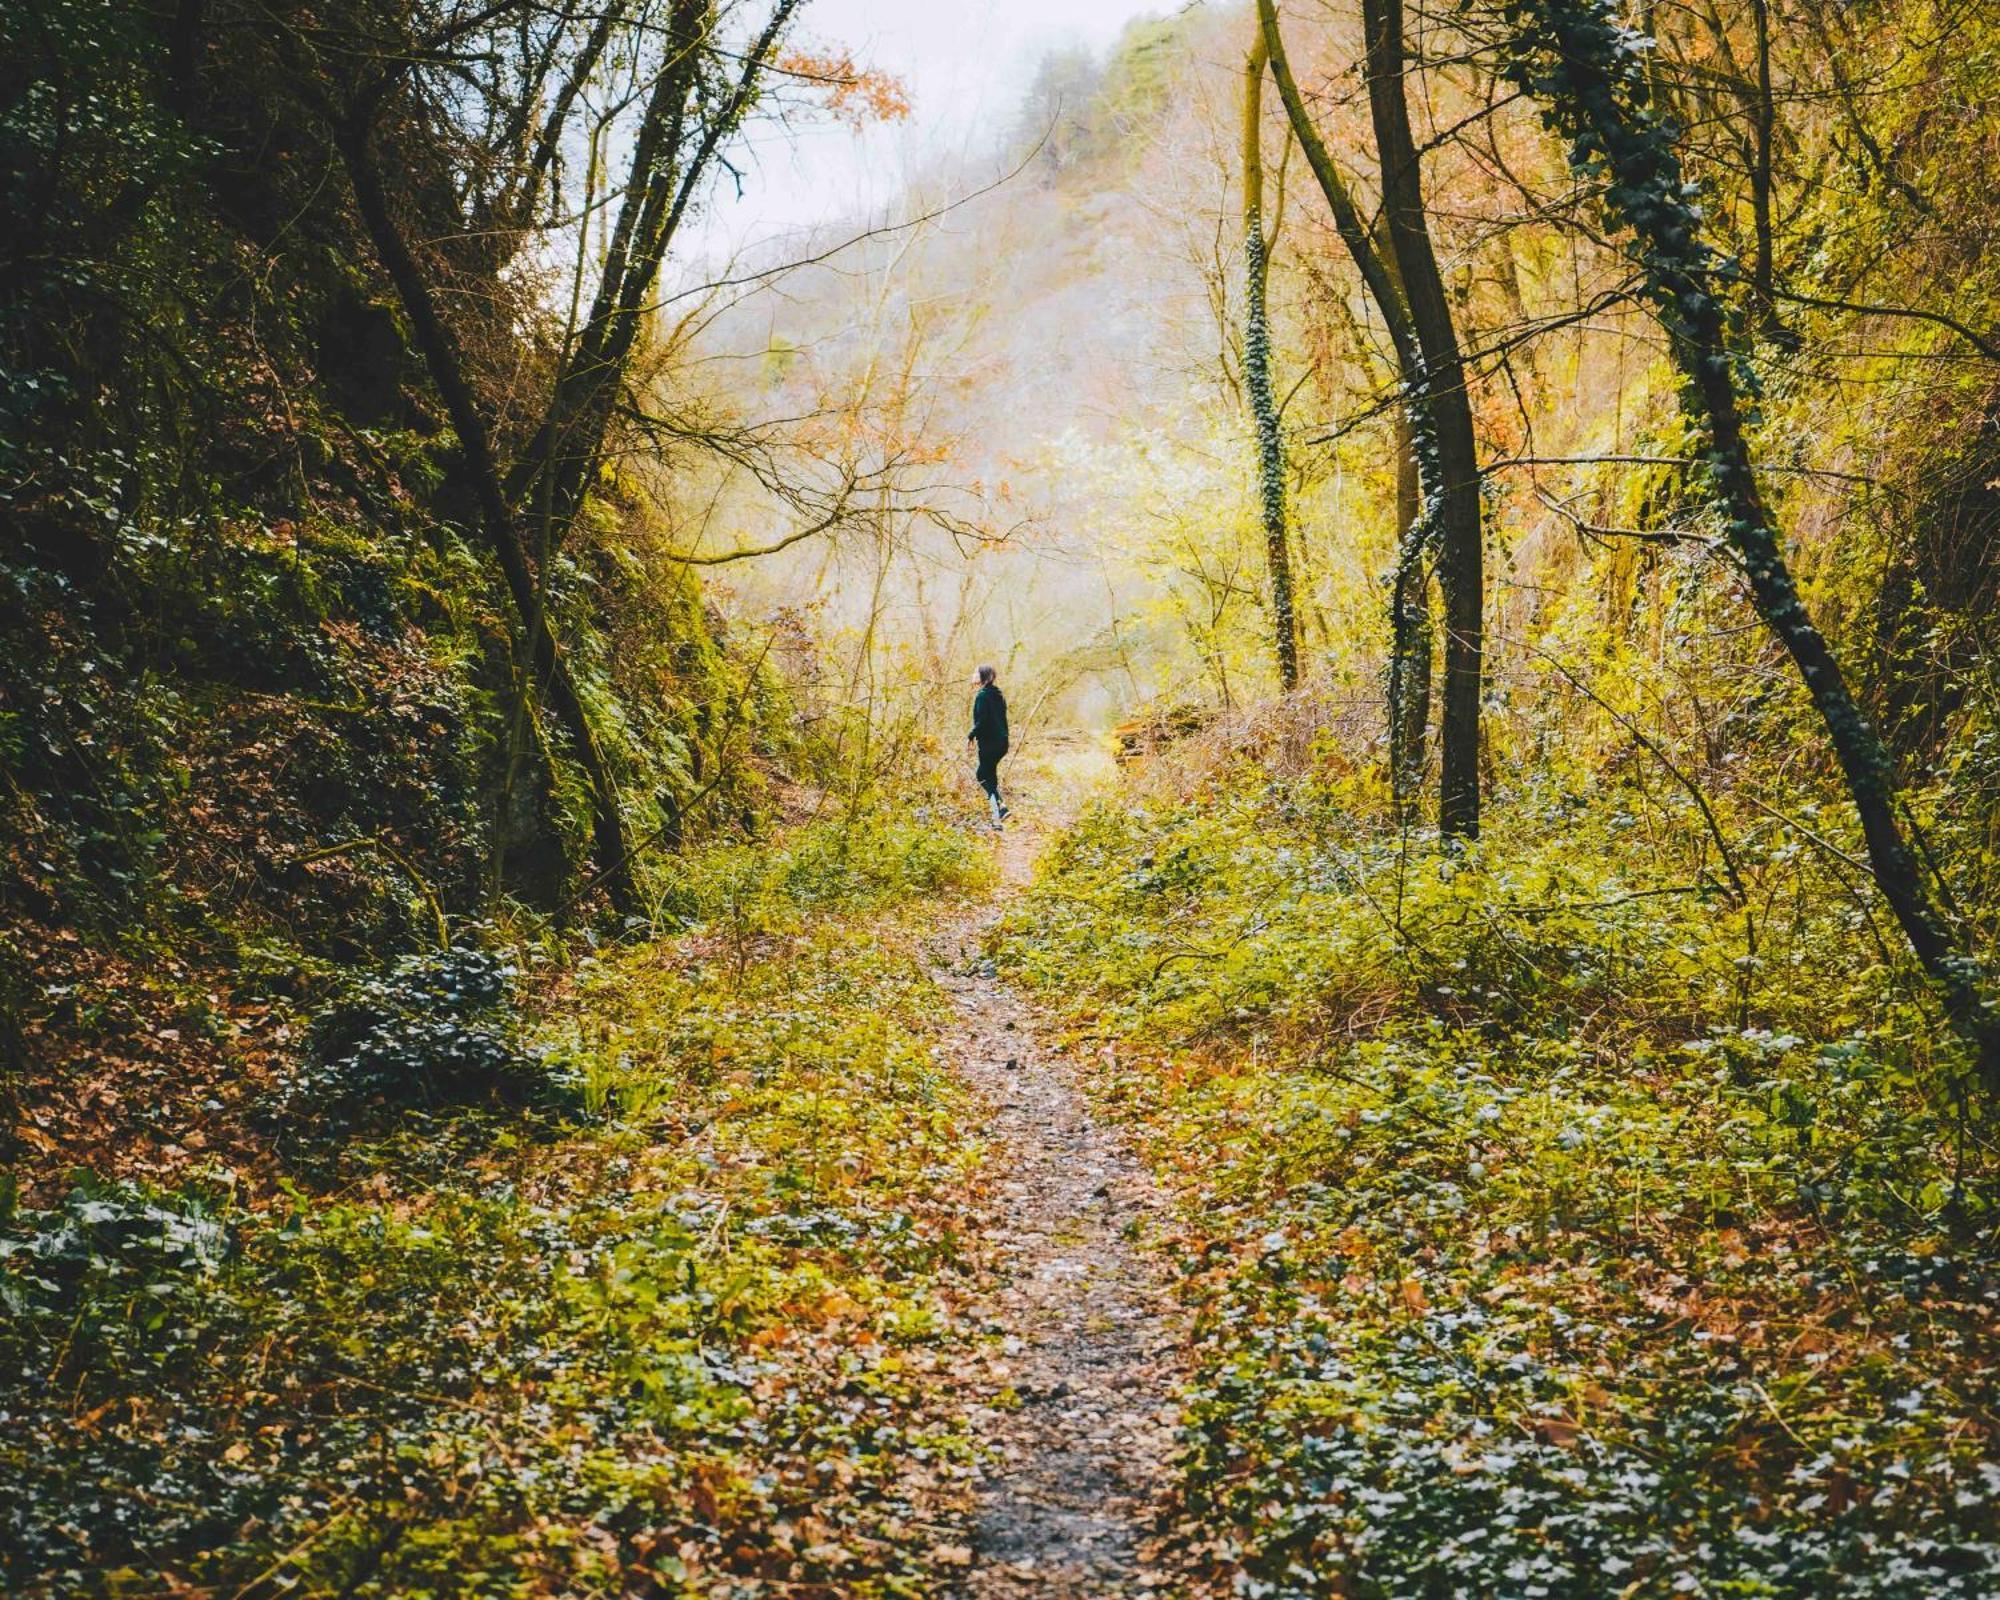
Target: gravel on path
[(1080, 1428)]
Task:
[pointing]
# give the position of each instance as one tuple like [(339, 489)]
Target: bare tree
[(692, 90)]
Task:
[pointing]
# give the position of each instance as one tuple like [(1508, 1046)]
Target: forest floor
[(843, 1285), (1093, 1211), (1072, 1493)]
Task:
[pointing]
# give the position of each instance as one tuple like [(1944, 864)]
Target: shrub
[(433, 1029)]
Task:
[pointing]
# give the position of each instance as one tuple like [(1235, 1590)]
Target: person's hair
[(987, 674)]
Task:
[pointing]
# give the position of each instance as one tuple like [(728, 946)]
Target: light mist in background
[(965, 66)]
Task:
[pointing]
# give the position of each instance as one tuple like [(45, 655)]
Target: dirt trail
[(1071, 1503)]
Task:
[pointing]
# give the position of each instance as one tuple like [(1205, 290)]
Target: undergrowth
[(694, 1345), (1548, 1231)]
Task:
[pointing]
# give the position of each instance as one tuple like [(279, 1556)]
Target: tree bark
[(1410, 645), (1257, 373), (1441, 379)]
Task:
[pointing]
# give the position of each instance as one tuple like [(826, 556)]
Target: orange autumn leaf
[(855, 95)]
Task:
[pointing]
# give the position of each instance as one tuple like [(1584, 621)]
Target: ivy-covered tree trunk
[(1588, 70), (1419, 486), (1457, 518), (1410, 643), (1257, 372)]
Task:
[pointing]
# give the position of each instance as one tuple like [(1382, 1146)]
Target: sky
[(963, 64)]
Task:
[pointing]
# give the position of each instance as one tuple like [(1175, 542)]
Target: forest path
[(1081, 1438)]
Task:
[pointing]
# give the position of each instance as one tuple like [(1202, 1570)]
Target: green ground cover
[(683, 1330), (1538, 1245)]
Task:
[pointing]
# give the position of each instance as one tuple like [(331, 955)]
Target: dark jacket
[(989, 721)]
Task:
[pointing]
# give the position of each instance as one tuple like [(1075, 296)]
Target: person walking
[(989, 738)]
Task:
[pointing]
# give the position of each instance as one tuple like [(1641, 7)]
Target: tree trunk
[(561, 459), (545, 659), (1257, 373), (1576, 56), (1376, 271), (1764, 121), (1410, 648), (1441, 381), (1419, 485)]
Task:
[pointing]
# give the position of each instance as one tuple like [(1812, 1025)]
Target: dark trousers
[(988, 771)]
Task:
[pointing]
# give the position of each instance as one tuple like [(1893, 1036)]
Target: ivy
[(1518, 1266)]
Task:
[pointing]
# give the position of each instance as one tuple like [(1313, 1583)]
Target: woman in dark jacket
[(989, 737)]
